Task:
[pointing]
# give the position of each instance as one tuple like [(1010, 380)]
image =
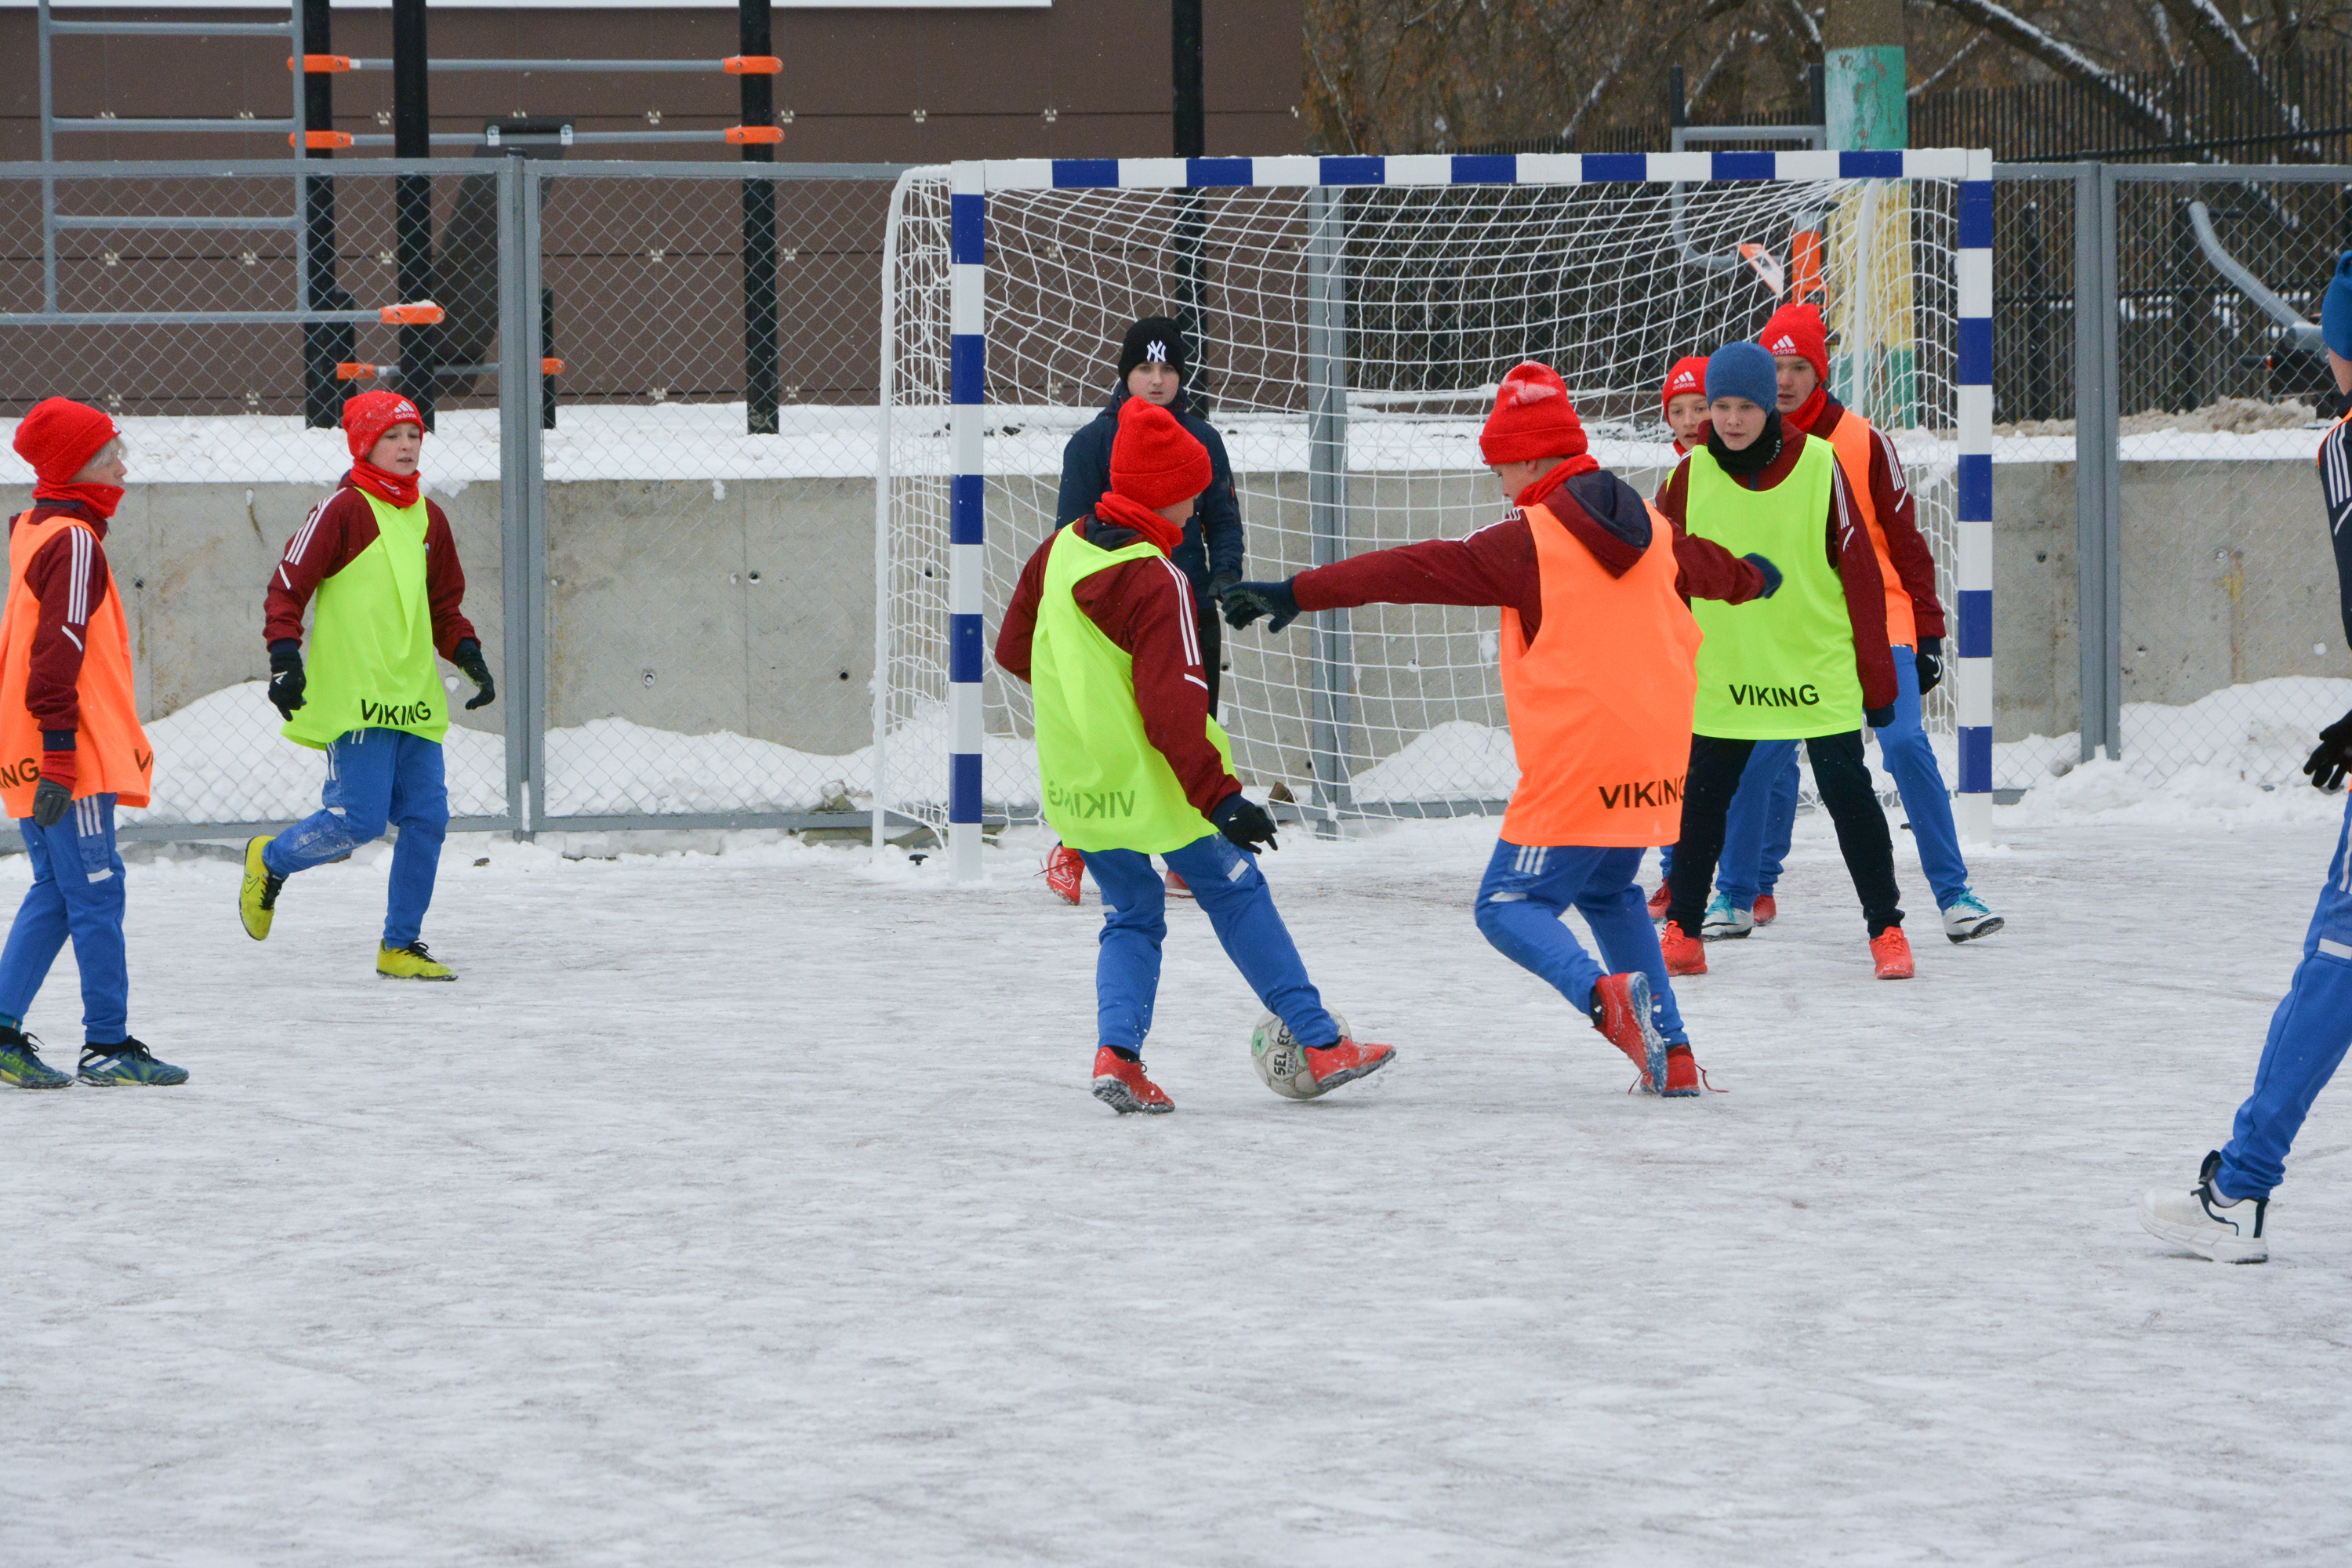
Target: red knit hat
[(367, 416), (1532, 419), (60, 436), (1797, 330), (1689, 375), (1153, 458)]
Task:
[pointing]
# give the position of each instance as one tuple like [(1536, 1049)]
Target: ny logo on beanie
[(1155, 352)]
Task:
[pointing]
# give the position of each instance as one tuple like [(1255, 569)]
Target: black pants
[(1213, 646), (1842, 778)]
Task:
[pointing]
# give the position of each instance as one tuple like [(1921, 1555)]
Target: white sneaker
[(2197, 1219), (1722, 920), (1966, 919)]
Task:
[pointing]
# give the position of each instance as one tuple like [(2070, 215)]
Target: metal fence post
[(2098, 480), (521, 491), (1327, 493)]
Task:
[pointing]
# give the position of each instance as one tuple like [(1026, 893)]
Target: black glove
[(285, 677), (51, 801), (1772, 575), (1223, 581), (1244, 823), (1929, 657), (2331, 760), (469, 657), (1245, 601), (1879, 717)]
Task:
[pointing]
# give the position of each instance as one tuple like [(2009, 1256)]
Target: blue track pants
[(2308, 1034), (76, 891), (376, 777), (1528, 889), (1225, 883)]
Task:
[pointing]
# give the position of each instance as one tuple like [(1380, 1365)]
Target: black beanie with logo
[(1155, 339)]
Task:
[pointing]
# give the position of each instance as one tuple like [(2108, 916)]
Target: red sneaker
[(1621, 1011), (1121, 1084), (1890, 950), (1176, 888), (1684, 953), (1660, 899), (1765, 911), (1682, 1073), (1346, 1062), (1066, 873)]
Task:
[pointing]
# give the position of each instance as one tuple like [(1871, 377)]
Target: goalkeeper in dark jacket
[(2222, 1216)]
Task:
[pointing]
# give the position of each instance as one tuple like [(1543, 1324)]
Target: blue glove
[(2335, 311), (1245, 601), (1772, 575)]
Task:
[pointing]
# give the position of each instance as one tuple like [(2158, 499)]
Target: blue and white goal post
[(1352, 317)]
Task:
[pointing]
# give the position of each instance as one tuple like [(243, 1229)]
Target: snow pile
[(2228, 416), (1458, 760), (612, 766)]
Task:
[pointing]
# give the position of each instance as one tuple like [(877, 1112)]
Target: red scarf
[(101, 499), (1582, 463), (1120, 513), (1803, 415), (389, 487)]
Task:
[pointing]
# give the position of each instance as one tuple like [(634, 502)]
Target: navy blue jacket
[(1212, 539)]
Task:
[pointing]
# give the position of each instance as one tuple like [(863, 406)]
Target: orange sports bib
[(112, 756), (1850, 442)]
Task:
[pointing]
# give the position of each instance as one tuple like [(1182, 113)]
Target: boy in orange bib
[(1599, 678)]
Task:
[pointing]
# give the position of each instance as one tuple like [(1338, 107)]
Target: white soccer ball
[(1281, 1060)]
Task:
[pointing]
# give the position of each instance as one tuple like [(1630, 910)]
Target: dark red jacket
[(1145, 607), (69, 578), (1497, 565), (332, 538), (1898, 516), (1849, 552)]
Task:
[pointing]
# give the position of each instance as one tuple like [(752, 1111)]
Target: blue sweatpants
[(1225, 883), (76, 891), (2308, 1035), (376, 777), (1764, 812), (1528, 889)]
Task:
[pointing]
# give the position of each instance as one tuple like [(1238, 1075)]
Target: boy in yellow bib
[(1103, 628), (390, 594)]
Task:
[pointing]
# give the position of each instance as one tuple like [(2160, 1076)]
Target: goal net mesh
[(1391, 711)]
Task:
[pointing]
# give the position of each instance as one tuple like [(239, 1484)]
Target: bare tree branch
[(2066, 59)]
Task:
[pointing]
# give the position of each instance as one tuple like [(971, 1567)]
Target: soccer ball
[(1281, 1060)]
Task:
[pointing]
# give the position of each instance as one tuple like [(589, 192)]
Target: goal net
[(1352, 318)]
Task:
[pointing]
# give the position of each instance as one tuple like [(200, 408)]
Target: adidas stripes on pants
[(76, 891), (377, 777), (1526, 891)]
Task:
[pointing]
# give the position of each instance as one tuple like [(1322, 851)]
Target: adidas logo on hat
[(1787, 345)]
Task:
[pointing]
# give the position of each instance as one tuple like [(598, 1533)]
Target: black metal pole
[(761, 376), (412, 137), (1192, 112), (1191, 120), (324, 345)]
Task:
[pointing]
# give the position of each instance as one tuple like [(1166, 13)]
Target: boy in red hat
[(1130, 763), (1598, 653), (66, 697), (383, 567)]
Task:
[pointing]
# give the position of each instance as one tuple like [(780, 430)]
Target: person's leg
[(358, 797), (419, 808), (40, 927), (90, 878), (1126, 965), (2309, 1032), (1525, 890), (1716, 766), (1905, 751), (1749, 824), (1240, 906), (1213, 649), (1782, 828), (1611, 905), (1842, 776)]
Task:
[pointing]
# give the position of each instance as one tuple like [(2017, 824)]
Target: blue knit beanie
[(1743, 370)]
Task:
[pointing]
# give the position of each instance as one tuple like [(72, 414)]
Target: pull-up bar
[(491, 136), (733, 65)]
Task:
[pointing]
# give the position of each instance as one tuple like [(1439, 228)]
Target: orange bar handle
[(550, 367), (755, 135), (752, 64), (350, 370), (319, 65), (423, 313), (323, 139)]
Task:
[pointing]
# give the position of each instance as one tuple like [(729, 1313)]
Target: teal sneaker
[(1724, 922), (21, 1063), (126, 1062), (1966, 919)]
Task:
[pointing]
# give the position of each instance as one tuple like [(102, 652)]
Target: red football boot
[(1765, 911), (1176, 888), (1890, 951), (1346, 1061), (1121, 1084), (1660, 899), (1621, 1011), (1066, 873), (1685, 954), (1682, 1073)]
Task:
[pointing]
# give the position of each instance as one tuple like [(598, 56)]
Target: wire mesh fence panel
[(1358, 429), (2232, 649), (710, 494), (232, 428)]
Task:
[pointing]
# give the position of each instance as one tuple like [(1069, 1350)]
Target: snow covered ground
[(752, 1209)]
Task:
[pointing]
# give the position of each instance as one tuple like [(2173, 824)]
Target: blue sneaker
[(1966, 919), (126, 1061), (21, 1063)]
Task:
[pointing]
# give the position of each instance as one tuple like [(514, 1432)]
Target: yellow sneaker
[(256, 903), (410, 963)]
